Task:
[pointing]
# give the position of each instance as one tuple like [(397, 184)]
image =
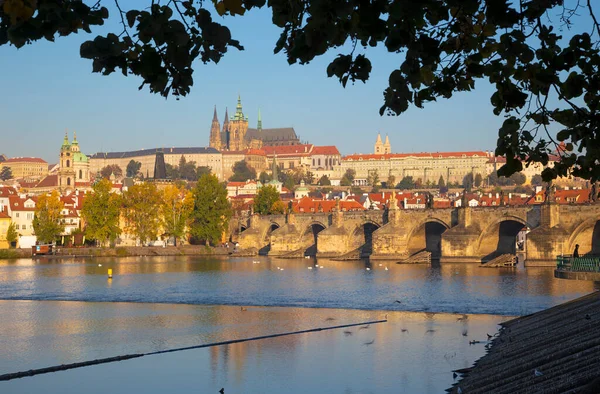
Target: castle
[(236, 136)]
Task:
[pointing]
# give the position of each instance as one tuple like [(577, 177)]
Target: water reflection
[(413, 352), (457, 288)]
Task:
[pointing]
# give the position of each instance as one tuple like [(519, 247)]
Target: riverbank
[(122, 251), (555, 350)]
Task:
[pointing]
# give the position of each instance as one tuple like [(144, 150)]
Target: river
[(64, 311)]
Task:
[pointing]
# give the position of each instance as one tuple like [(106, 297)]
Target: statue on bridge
[(429, 200), (594, 192), (549, 193), (290, 207), (501, 203), (464, 201)]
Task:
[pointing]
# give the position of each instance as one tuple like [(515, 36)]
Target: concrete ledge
[(594, 276), (540, 263), (460, 259)]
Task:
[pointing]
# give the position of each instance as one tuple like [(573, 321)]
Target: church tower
[(66, 171), (387, 148), (215, 132), (225, 132), (378, 145), (238, 126)]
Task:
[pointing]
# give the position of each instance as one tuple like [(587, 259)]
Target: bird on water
[(222, 391)]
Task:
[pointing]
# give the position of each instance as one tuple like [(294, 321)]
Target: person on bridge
[(576, 251)]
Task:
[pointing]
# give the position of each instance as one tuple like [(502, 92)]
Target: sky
[(47, 89)]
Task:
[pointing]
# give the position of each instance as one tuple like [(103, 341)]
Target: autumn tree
[(101, 212), (264, 178), (141, 210), (47, 221), (12, 235), (5, 173), (133, 168), (278, 207), (373, 178), (212, 211), (175, 210), (478, 180), (113, 169), (441, 182), (391, 181), (348, 177), (265, 199)]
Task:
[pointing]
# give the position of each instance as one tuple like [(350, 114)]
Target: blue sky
[(48, 88)]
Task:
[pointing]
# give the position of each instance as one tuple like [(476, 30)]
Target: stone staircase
[(504, 260), (422, 257)]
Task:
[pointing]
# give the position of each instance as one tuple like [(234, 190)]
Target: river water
[(54, 312)]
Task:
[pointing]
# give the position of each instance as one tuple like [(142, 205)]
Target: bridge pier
[(390, 242), (548, 240)]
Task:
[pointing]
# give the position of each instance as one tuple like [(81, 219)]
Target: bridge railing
[(578, 264)]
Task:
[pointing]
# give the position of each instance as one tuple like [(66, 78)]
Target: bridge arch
[(427, 235), (362, 236), (309, 237), (500, 236), (587, 236)]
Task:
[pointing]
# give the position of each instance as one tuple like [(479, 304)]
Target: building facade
[(26, 167), (203, 157), (426, 167)]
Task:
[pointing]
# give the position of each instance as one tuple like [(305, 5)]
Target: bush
[(122, 252), (8, 254)]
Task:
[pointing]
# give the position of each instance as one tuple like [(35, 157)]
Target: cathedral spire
[(215, 117), (259, 125), (215, 132), (239, 115)]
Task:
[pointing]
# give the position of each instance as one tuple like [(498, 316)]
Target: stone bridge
[(469, 234)]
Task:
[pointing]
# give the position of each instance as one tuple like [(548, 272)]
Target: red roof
[(289, 150), (4, 215), (307, 204), (6, 191), (577, 196), (431, 155), (17, 203), (325, 150), (49, 181), (26, 160), (257, 152)]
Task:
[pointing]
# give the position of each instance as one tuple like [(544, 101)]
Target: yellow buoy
[(110, 273)]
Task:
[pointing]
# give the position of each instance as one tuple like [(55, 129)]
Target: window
[(68, 180), (16, 214), (68, 163), (24, 227), (29, 216), (80, 174)]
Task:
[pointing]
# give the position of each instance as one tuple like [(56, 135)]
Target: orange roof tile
[(325, 150), (432, 155), (26, 160), (289, 150)]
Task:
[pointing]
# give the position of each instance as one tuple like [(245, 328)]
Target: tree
[(172, 171), (187, 170), (133, 168), (518, 178), (324, 181), (478, 180), (175, 210), (12, 235), (278, 207), (241, 172), (264, 178), (536, 180), (47, 220), (101, 212), (373, 178), (212, 211), (441, 182), (113, 169), (202, 170), (406, 183), (265, 199), (391, 182), (5, 173), (350, 174), (141, 205)]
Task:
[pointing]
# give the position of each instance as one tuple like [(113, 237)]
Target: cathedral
[(237, 136)]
